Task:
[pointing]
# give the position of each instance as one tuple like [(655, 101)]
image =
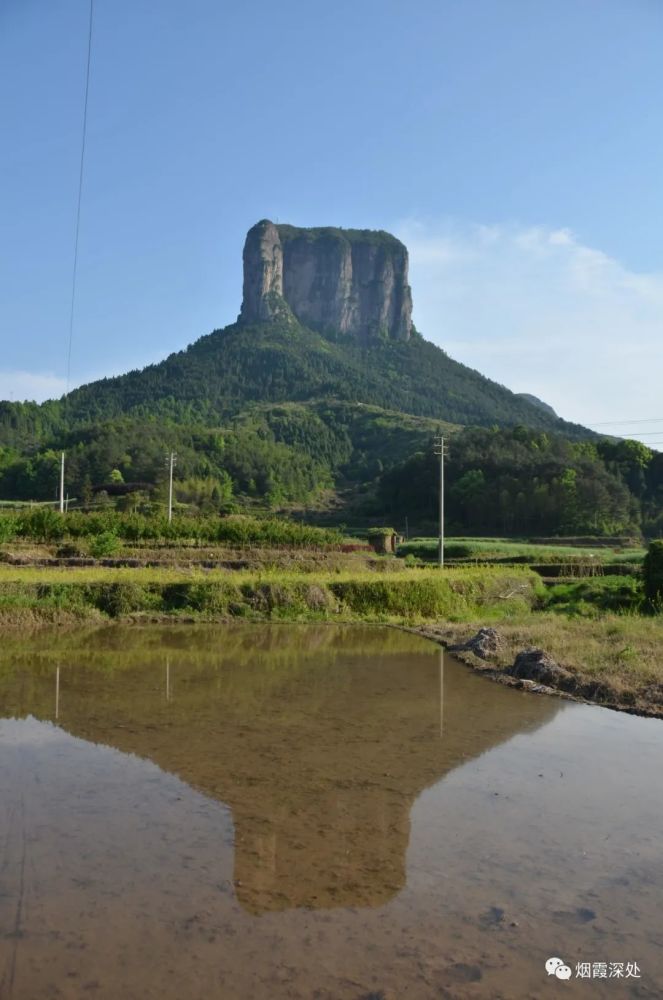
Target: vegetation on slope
[(511, 481), (569, 551), (613, 659), (280, 415), (523, 482), (278, 453), (222, 373), (42, 524), (47, 594)]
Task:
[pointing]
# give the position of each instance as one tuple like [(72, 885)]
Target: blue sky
[(516, 145)]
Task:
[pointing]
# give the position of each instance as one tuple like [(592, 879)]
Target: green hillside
[(277, 415), (218, 375)]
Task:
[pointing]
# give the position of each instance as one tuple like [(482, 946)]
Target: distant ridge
[(535, 401)]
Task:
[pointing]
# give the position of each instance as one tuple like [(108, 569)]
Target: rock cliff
[(351, 281)]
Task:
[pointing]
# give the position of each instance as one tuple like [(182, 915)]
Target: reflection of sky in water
[(267, 831), (29, 732), (576, 797)]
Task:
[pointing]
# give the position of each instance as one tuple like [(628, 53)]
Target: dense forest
[(222, 373), (278, 454), (523, 482), (509, 481), (279, 416)]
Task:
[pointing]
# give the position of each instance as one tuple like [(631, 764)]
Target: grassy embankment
[(33, 594), (614, 656), (593, 626), (614, 659), (508, 550), (598, 627)]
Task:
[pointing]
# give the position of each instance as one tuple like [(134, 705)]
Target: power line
[(643, 434), (80, 198), (606, 423), (72, 306)]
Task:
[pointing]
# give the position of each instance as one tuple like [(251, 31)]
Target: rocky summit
[(348, 281)]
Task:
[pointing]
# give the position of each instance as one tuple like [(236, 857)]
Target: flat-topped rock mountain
[(322, 383), (348, 281)]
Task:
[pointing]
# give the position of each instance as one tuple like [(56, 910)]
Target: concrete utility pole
[(439, 450), (62, 483), (172, 458)]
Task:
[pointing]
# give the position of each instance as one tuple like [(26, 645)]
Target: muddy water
[(298, 812)]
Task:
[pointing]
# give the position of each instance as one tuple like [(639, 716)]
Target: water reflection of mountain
[(319, 739)]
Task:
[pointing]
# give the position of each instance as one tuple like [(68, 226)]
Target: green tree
[(653, 573), (104, 545)]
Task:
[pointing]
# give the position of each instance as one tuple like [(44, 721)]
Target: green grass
[(617, 656), (502, 548), (44, 525), (590, 597), (411, 596), (575, 622)]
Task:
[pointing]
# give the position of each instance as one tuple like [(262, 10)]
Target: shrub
[(591, 595), (653, 573), (8, 528), (42, 524), (105, 544), (45, 524), (124, 596)]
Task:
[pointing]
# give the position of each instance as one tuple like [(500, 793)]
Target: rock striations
[(350, 281)]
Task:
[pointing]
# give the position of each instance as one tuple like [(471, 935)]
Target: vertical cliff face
[(263, 273), (352, 281)]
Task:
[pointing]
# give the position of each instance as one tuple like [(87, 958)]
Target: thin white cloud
[(540, 312), (37, 386), (531, 307)]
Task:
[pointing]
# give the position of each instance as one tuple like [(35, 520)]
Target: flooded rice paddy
[(303, 812)]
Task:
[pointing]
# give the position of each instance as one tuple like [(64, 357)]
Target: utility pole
[(62, 483), (172, 458), (439, 450)]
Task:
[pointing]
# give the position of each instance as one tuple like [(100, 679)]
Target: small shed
[(383, 540)]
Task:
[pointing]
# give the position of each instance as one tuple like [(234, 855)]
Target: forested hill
[(278, 415), (282, 361), (323, 395)]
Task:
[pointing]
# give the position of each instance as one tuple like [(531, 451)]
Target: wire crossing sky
[(516, 147), (79, 199)]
